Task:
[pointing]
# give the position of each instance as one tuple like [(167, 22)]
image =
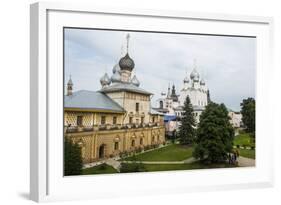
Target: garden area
[(187, 166), (249, 153), (244, 140), (245, 144), (172, 152)]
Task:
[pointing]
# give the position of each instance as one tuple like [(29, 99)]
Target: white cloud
[(227, 63)]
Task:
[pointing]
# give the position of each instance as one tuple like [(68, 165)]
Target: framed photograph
[(128, 102)]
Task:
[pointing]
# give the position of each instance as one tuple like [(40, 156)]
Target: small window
[(130, 120), (141, 141), (142, 120), (133, 143), (153, 119), (137, 107), (103, 120), (161, 104), (79, 120), (114, 120), (153, 139), (116, 145)]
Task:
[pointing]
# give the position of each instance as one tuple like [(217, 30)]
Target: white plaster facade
[(235, 119)]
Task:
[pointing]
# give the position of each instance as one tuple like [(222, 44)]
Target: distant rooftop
[(154, 111)]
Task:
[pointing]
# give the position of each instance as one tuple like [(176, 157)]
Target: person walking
[(237, 153), (229, 158)]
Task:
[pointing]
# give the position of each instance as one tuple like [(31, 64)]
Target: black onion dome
[(126, 63)]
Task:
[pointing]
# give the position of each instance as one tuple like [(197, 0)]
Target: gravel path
[(187, 161), (246, 162)]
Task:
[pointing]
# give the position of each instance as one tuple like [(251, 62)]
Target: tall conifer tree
[(187, 128)]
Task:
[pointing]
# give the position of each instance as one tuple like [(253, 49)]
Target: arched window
[(161, 104), (133, 143), (116, 145)]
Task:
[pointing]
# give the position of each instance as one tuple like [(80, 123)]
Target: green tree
[(187, 128), (214, 134), (248, 111), (72, 158)]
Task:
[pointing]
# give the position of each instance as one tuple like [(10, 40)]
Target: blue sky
[(228, 64)]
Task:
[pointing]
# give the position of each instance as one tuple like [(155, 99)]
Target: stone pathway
[(246, 162), (93, 164), (114, 163), (187, 161)]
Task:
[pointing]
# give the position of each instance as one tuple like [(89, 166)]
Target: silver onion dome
[(126, 63), (105, 80), (202, 82), (115, 77), (116, 68), (186, 80), (194, 75), (196, 79), (135, 81)]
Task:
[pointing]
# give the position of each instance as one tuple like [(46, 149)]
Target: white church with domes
[(194, 87)]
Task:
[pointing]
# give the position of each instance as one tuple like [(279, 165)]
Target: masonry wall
[(128, 101), (92, 142)]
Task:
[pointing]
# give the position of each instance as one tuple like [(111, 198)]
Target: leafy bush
[(245, 146), (132, 167), (102, 166)]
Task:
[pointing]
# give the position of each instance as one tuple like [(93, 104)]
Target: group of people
[(233, 156)]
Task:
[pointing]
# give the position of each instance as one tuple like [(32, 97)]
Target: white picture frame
[(46, 177)]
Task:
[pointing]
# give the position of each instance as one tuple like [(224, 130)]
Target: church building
[(194, 87), (115, 119)]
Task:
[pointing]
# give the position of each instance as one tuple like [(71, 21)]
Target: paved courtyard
[(246, 162)]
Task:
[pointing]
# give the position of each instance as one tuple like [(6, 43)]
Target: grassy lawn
[(244, 139), (172, 152), (248, 153), (100, 169), (194, 165)]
